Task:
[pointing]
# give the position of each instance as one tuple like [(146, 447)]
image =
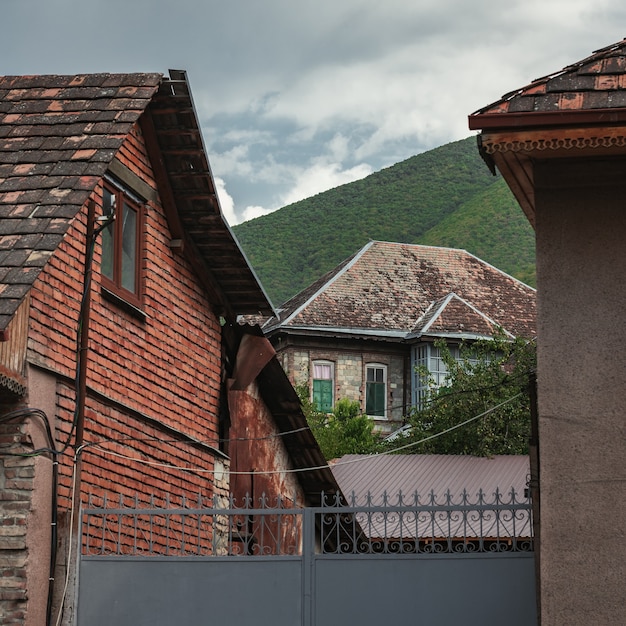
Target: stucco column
[(581, 276)]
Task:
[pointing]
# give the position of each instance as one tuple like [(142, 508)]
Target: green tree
[(344, 431), (489, 374)]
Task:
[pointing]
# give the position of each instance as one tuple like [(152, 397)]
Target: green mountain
[(443, 197)]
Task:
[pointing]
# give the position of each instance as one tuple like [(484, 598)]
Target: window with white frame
[(376, 390), (323, 381), (428, 358)]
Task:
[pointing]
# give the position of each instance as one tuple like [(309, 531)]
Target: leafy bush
[(489, 374), (344, 431)]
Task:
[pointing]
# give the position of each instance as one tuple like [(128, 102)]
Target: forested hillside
[(445, 196)]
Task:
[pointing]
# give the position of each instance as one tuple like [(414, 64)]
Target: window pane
[(108, 207), (129, 248), (322, 371), (375, 399)]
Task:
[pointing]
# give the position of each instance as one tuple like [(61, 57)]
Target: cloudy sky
[(298, 96)]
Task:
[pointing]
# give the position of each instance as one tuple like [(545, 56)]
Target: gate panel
[(434, 590), (181, 592), (414, 560)]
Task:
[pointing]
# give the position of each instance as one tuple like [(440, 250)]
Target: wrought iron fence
[(221, 527), (412, 524)]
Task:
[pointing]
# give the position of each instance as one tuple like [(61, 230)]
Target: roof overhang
[(513, 143), (546, 119), (199, 229), (339, 333)]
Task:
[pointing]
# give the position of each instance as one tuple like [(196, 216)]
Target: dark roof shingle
[(595, 83), (54, 148), (58, 137)]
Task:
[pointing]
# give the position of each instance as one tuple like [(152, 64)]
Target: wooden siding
[(13, 351)]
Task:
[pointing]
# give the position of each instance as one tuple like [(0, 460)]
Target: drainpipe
[(83, 347), (81, 392), (533, 450)]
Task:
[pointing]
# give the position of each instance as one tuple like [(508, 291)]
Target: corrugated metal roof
[(438, 480), (426, 473)]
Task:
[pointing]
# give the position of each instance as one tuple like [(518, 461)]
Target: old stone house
[(361, 331), (122, 367)]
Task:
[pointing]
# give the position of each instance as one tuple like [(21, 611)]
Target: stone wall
[(349, 366)]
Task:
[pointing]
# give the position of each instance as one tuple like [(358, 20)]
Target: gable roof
[(453, 316), (58, 137), (594, 86), (396, 289)]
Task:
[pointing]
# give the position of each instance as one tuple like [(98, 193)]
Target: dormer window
[(121, 244)]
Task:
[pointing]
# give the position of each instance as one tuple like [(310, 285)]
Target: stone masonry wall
[(350, 376), (16, 489)]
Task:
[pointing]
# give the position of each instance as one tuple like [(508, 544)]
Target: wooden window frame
[(113, 284)]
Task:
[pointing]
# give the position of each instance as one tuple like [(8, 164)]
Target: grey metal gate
[(418, 560)]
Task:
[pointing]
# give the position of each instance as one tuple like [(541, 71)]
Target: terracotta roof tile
[(390, 287), (597, 82), (57, 136)]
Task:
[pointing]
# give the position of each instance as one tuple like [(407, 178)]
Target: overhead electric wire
[(201, 470)]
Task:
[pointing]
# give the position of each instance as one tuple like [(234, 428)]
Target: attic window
[(121, 244)]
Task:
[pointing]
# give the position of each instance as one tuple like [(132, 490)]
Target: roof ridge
[(342, 270), (468, 304)]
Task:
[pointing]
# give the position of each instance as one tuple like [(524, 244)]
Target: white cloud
[(297, 97), (250, 212), (226, 201), (320, 177)]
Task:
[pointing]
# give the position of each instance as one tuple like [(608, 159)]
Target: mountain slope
[(417, 198)]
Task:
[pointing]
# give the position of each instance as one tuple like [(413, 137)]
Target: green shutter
[(375, 399), (323, 395)]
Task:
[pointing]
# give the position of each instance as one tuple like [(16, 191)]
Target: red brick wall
[(257, 448), (165, 369)]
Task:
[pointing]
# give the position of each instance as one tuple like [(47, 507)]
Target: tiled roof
[(57, 136), (454, 316), (597, 83), (393, 288)]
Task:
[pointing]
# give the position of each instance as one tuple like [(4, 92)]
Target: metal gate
[(421, 560)]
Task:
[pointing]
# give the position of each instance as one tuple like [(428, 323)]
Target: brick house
[(120, 354), (560, 144), (360, 331)]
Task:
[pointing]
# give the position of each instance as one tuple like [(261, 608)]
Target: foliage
[(444, 196), (489, 373), (345, 431)]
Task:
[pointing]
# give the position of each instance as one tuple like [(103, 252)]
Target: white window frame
[(331, 366), (373, 367)]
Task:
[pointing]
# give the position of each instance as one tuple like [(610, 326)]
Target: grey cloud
[(277, 81)]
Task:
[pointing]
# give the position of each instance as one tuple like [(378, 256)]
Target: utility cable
[(201, 470)]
